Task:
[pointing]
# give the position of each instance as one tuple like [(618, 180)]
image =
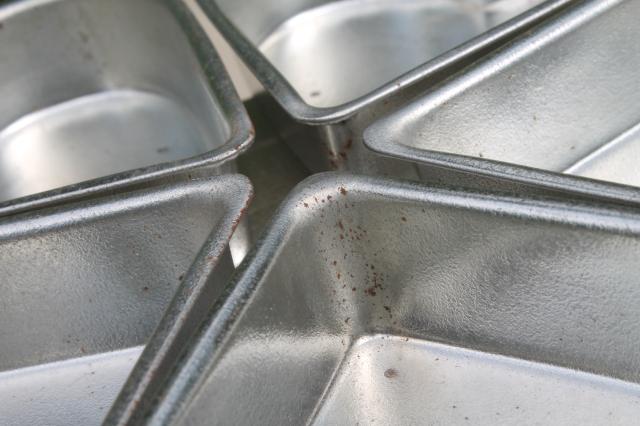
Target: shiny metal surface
[(380, 302), (361, 58), (85, 285), (560, 99), (339, 51), (96, 95)]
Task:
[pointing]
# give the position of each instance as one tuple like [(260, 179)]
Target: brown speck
[(391, 373), (404, 219), (346, 320), (329, 197), (353, 289), (343, 191), (180, 277), (338, 275), (306, 205), (341, 225), (348, 144), (335, 262), (388, 309), (145, 288), (341, 237)]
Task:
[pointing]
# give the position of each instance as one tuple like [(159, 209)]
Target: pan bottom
[(395, 380)]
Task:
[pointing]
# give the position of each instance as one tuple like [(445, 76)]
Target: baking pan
[(85, 284), (96, 95), (550, 109), (340, 64), (375, 302)]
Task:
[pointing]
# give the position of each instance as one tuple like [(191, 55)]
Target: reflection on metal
[(85, 284), (370, 300), (561, 99), (100, 95)]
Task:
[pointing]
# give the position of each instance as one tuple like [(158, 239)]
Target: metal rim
[(240, 137), (220, 322), (291, 101)]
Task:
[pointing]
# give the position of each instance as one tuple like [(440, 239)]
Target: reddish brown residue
[(342, 190), (391, 373), (371, 291)]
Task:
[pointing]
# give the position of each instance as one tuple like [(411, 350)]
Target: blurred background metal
[(100, 95)]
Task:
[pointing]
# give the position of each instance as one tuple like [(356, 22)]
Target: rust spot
[(342, 190), (391, 373), (349, 144)]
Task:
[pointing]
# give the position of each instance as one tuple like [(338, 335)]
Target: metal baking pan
[(361, 58), (99, 94), (85, 284), (375, 302), (552, 108)]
